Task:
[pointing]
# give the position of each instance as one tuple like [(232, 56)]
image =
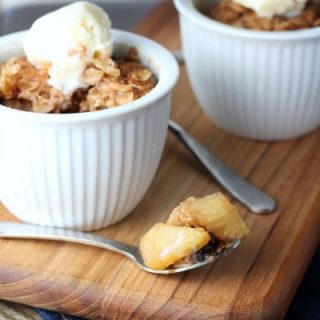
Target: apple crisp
[(111, 83), (196, 229), (236, 15)]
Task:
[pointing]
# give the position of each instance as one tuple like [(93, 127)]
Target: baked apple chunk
[(196, 229), (215, 213), (164, 244)]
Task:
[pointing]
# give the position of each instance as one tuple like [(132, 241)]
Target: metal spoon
[(178, 55), (29, 231), (242, 190)]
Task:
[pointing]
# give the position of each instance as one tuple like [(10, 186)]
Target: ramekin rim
[(168, 77), (187, 9)]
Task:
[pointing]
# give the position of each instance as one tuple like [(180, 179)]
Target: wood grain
[(13, 311), (257, 281)]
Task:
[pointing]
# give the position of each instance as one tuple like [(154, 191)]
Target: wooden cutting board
[(257, 281)]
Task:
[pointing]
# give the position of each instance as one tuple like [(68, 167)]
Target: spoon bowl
[(29, 231)]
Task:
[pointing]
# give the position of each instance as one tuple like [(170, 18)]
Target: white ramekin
[(85, 171), (261, 85)]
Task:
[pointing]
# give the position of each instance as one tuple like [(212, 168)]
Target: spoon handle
[(254, 199), (30, 231), (178, 55)]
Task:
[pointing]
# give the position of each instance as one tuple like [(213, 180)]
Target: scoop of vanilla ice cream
[(270, 8), (66, 41)]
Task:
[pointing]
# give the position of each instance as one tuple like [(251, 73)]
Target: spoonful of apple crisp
[(197, 232)]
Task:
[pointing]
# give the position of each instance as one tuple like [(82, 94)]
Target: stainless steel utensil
[(178, 55), (254, 199), (29, 231)]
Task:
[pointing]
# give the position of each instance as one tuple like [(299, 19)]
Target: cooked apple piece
[(215, 213), (165, 244)]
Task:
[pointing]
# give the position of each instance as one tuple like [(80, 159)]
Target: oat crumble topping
[(236, 15), (111, 84)]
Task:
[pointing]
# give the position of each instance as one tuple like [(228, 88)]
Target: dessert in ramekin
[(110, 83), (256, 84), (68, 66), (237, 15), (85, 170)]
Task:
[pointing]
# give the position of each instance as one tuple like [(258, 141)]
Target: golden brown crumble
[(111, 84), (238, 16)]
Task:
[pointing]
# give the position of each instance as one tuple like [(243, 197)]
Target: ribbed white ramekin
[(85, 171), (261, 85)]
